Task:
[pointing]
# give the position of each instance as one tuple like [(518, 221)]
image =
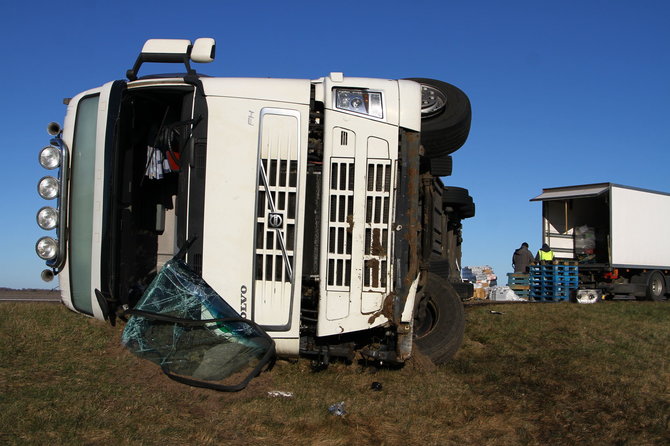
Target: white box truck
[(617, 234), (316, 206)]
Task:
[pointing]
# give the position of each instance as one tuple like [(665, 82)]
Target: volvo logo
[(243, 301), (275, 220)]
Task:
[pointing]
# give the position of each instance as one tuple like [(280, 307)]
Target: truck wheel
[(439, 320), (441, 166), (656, 286), (467, 211), (459, 200), (455, 196), (445, 117)]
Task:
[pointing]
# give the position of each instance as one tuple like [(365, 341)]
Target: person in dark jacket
[(545, 254), (522, 259)]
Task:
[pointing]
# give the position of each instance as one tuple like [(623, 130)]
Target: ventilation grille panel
[(275, 221), (377, 221), (340, 224)]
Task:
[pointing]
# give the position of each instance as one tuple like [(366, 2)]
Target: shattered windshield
[(184, 326)]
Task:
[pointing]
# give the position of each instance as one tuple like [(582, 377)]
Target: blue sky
[(563, 93)]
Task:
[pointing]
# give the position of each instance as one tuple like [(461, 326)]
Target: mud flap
[(196, 338)]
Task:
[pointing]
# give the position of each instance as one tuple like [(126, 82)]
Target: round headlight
[(50, 157), (47, 218), (46, 248), (48, 188)]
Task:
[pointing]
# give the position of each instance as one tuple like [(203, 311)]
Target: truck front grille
[(340, 224), (378, 202), (275, 221)]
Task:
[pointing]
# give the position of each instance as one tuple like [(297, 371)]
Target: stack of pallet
[(482, 277), (553, 281), (520, 284)]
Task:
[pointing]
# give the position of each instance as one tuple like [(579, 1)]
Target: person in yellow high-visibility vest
[(545, 254)]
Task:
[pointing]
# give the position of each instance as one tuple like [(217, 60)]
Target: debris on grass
[(280, 394), (337, 409)]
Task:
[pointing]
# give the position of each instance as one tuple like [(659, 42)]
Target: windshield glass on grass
[(184, 326)]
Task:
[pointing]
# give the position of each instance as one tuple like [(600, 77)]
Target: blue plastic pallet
[(553, 282)]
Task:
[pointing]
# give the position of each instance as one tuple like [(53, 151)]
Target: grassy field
[(540, 374)]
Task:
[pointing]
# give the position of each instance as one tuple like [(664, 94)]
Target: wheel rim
[(425, 318), (432, 101), (656, 287)]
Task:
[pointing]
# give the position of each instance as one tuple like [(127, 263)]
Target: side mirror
[(174, 51), (203, 50)]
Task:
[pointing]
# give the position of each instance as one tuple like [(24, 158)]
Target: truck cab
[(315, 208)]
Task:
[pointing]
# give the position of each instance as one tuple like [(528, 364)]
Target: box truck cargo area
[(617, 234)]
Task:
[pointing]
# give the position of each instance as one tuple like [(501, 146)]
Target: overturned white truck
[(316, 206)]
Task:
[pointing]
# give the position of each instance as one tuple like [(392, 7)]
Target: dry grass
[(538, 374)]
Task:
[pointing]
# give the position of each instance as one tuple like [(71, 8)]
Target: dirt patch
[(420, 362)]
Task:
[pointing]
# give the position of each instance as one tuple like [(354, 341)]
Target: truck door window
[(81, 199)]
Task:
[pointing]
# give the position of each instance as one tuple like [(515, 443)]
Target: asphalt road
[(9, 295)]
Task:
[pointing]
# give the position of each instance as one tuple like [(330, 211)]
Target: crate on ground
[(553, 281), (482, 277)]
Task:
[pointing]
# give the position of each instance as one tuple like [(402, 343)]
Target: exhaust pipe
[(47, 275), (54, 129)]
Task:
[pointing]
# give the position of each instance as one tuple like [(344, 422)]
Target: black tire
[(441, 166), (459, 200), (467, 210), (455, 196), (656, 286), (439, 320), (440, 267), (445, 123), (465, 290)]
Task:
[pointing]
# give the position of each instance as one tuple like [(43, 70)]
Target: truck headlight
[(50, 157), (47, 218), (48, 188), (47, 248), (360, 101)]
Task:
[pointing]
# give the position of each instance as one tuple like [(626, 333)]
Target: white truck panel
[(226, 267), (278, 90), (410, 105), (347, 298), (273, 130), (640, 234)]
